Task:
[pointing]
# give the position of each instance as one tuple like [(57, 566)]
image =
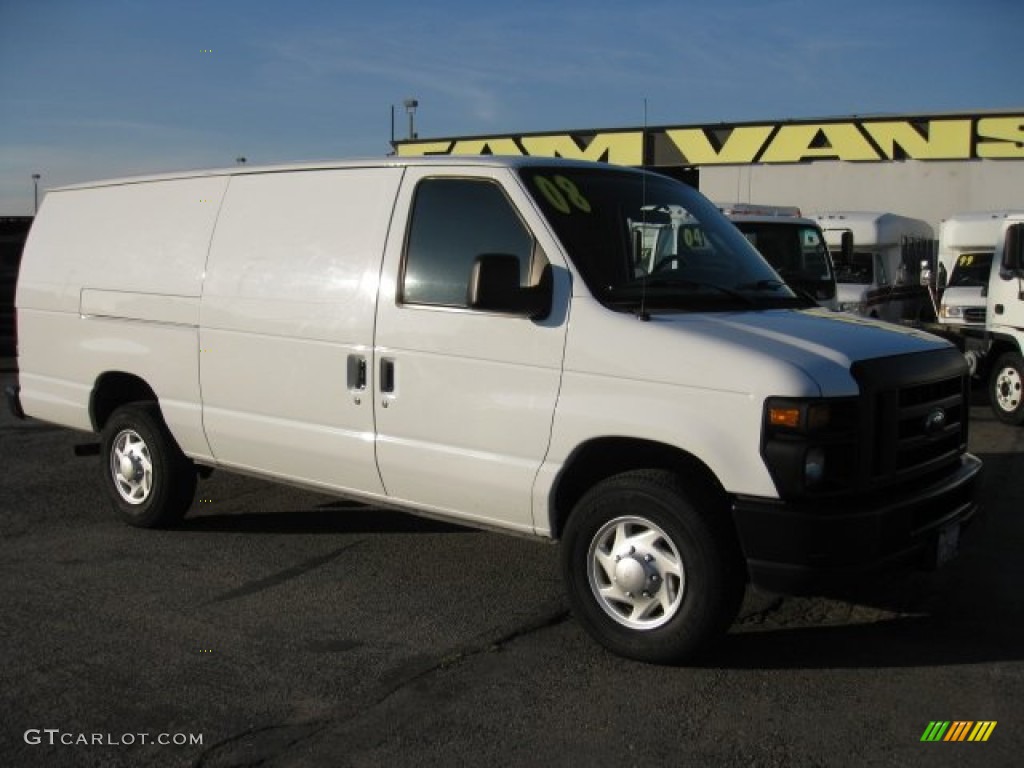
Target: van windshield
[(645, 242)]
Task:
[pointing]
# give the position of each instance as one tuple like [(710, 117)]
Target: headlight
[(854, 307), (951, 310), (810, 445), (798, 415)]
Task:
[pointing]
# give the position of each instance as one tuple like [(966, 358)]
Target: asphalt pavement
[(278, 627)]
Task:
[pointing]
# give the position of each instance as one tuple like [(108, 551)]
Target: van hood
[(786, 352), (839, 336), (820, 343)]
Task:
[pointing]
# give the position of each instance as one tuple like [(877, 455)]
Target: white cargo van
[(879, 270), (483, 339)]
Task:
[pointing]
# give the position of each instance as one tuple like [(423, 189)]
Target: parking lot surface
[(278, 627)]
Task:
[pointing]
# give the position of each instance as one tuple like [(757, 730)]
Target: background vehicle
[(966, 244), (13, 231), (881, 278), (793, 245), (998, 346)]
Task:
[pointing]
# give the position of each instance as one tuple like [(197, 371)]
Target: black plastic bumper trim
[(801, 547)]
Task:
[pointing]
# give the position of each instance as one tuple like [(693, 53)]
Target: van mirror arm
[(494, 286)]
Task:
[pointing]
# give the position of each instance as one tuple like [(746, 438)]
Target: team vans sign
[(990, 137)]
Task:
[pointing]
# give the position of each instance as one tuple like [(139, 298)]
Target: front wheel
[(652, 567), (151, 481), (1005, 388)]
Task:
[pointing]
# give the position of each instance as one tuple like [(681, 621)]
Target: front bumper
[(805, 547)]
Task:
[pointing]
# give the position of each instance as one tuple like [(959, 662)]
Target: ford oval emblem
[(934, 421)]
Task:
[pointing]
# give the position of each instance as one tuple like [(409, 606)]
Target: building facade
[(927, 167)]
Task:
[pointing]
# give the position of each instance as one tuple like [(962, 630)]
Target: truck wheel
[(653, 569), (150, 480), (1005, 390)]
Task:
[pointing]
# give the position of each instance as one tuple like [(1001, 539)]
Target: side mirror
[(1012, 264), (926, 272), (847, 246), (494, 287)]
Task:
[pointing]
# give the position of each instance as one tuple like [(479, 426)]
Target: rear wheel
[(151, 482), (1005, 391), (652, 566)]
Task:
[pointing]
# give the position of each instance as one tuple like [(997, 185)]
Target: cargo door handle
[(356, 373), (387, 376)]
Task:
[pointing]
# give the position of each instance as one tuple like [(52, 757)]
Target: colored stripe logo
[(958, 730)]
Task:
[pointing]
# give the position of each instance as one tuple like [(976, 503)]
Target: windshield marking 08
[(644, 242)]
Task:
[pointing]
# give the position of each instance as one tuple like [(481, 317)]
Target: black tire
[(1005, 391), (152, 483), (685, 562)]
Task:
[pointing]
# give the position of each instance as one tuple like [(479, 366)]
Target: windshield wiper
[(762, 285), (802, 296), (668, 282)]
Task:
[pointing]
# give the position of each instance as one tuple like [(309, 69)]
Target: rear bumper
[(807, 547)]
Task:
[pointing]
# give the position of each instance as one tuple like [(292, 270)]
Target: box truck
[(487, 340)]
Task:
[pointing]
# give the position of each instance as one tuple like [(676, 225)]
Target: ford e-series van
[(489, 340)]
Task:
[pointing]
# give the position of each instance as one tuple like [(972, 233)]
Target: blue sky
[(99, 88)]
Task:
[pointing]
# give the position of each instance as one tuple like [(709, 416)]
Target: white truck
[(878, 258), (480, 339), (967, 242), (793, 245), (998, 346)]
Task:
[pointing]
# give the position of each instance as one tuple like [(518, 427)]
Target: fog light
[(814, 466)]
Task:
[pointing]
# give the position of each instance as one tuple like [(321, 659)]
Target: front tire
[(152, 483), (652, 566), (1005, 390)]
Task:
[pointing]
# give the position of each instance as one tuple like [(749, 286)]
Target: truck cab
[(880, 276), (1003, 336), (967, 242), (793, 245)]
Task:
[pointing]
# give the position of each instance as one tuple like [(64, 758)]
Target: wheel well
[(601, 458), (1000, 345), (112, 390)]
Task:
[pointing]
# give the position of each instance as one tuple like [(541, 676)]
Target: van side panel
[(287, 316), (110, 281)]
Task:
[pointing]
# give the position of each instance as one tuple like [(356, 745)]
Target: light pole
[(35, 191), (410, 108)]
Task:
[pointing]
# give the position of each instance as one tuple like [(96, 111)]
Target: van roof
[(872, 227), (757, 213), (390, 161)]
